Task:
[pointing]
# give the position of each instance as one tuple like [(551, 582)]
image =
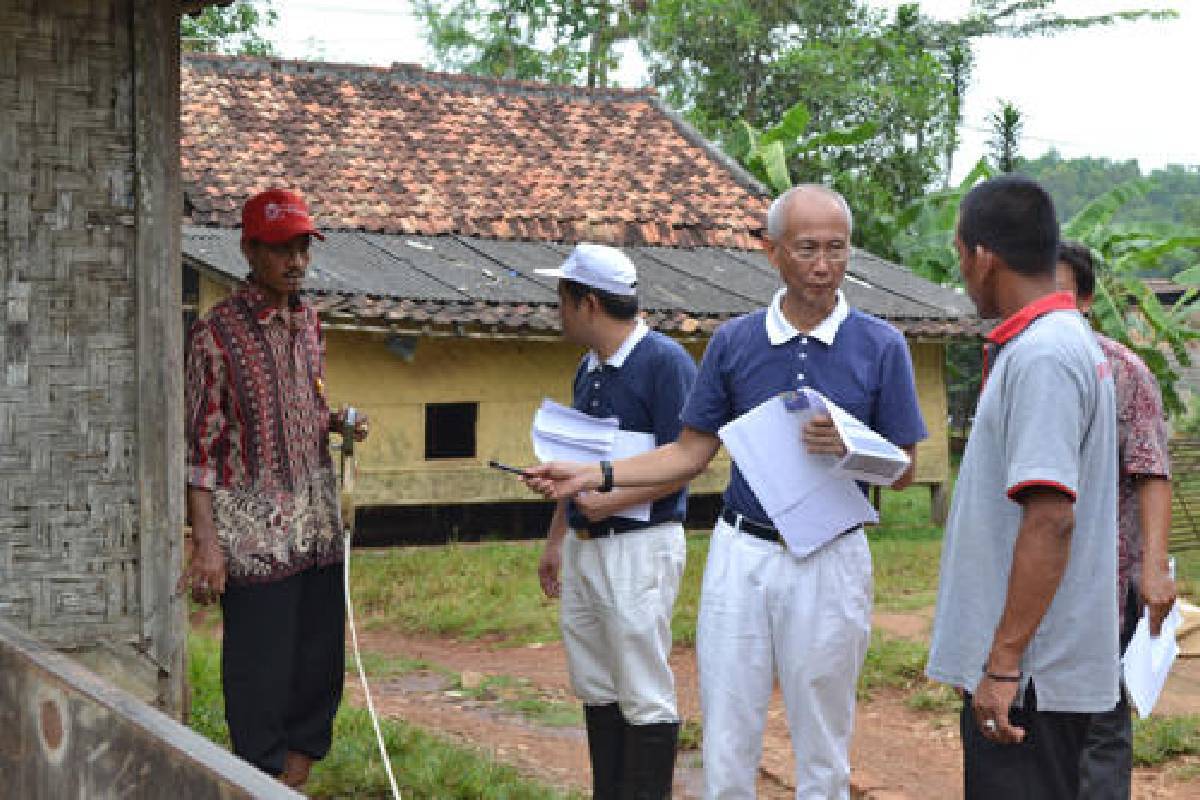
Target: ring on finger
[(989, 725)]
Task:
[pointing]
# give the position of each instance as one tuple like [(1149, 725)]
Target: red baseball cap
[(276, 216)]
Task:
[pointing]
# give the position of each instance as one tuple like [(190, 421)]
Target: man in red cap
[(262, 497)]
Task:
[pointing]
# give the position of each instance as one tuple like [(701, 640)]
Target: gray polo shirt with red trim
[(1046, 417)]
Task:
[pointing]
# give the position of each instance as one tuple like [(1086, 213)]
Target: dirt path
[(897, 752)]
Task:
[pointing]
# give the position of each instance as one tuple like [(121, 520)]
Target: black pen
[(494, 464)]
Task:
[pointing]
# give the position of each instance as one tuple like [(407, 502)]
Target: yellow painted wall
[(933, 454), (508, 379)]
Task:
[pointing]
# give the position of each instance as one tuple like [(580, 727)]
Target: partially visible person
[(1026, 620), (767, 614), (1144, 526), (619, 575), (262, 497)]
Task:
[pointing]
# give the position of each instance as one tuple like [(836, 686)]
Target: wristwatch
[(606, 481)]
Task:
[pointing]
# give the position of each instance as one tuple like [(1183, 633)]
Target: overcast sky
[(1122, 92)]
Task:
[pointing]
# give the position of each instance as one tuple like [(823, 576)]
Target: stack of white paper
[(869, 457), (560, 433), (805, 498), (565, 434)]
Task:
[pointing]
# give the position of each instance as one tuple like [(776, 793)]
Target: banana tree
[(924, 229), (771, 153), (1126, 309)]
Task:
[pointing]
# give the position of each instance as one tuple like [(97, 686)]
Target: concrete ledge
[(64, 732)]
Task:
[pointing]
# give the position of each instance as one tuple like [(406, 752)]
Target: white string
[(348, 526)]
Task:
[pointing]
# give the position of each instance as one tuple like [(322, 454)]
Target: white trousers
[(763, 612), (617, 596)]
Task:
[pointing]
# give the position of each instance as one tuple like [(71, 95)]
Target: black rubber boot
[(606, 729), (649, 761)]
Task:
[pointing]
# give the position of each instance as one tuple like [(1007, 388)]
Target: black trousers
[(1107, 764), (283, 665), (1044, 766)]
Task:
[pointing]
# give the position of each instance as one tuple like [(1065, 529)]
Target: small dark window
[(450, 430)]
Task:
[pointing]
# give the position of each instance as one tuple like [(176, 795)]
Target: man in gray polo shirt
[(1026, 616)]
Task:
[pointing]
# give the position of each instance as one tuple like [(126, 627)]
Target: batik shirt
[(1142, 436), (257, 436)]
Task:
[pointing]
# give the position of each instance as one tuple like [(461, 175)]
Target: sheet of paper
[(626, 444), (805, 499), (1148, 659)]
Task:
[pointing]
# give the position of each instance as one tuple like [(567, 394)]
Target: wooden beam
[(159, 291)]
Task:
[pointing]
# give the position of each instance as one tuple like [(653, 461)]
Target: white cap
[(599, 266)]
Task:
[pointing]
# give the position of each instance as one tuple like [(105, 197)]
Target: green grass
[(519, 696), (1159, 739), (207, 712), (892, 663), (906, 549), (466, 591), (378, 665), (691, 734), (1187, 572), (906, 573), (934, 698), (687, 604), (427, 767), (491, 591)]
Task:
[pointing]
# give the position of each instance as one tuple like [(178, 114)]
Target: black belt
[(747, 525), (614, 526), (760, 529)]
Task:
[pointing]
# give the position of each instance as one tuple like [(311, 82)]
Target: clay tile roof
[(403, 150)]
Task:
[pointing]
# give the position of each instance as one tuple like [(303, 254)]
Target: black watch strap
[(606, 477)]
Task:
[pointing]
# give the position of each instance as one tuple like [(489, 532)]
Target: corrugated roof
[(394, 281)]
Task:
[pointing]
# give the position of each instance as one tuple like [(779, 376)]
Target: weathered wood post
[(91, 472)]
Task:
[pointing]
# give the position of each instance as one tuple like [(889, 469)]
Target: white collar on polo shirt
[(617, 359), (779, 330)]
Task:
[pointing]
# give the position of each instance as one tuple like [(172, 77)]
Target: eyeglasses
[(807, 252)]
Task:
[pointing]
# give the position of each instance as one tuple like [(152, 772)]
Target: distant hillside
[(1072, 182)]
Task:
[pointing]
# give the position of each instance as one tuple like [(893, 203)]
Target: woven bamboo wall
[(75, 118)]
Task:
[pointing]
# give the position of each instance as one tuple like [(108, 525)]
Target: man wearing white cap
[(620, 575)]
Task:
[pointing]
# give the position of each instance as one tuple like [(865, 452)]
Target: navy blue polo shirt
[(644, 384), (856, 360)]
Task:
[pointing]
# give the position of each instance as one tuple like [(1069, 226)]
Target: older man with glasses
[(765, 611)]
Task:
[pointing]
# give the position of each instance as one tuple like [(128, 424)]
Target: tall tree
[(560, 41), (238, 29), (1012, 19), (1006, 124), (727, 60)]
